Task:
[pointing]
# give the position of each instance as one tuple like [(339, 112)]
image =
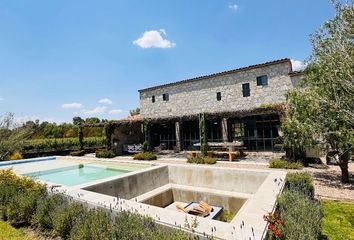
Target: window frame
[(246, 92), (165, 97), (262, 80)]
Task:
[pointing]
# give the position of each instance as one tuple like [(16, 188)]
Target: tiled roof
[(295, 73), (284, 60)]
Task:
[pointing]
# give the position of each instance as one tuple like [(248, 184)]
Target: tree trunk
[(343, 164)]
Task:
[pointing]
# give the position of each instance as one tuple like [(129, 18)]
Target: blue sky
[(62, 58)]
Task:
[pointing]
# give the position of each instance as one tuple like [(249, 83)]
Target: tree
[(78, 120), (323, 110), (92, 120), (11, 135)]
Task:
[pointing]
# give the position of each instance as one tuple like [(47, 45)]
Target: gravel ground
[(328, 184)]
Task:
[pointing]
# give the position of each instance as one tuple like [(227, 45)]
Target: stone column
[(224, 130), (178, 128)]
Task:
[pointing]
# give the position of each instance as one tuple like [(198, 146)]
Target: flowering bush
[(274, 223)]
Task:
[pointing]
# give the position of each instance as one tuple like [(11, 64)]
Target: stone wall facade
[(200, 95)]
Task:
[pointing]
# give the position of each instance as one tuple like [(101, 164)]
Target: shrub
[(133, 226), (301, 216), (301, 182), (95, 225), (27, 202), (197, 159), (145, 156), (65, 217), (21, 208), (77, 153), (227, 216), (209, 160), (16, 156), (105, 154), (18, 196), (43, 217), (132, 229), (201, 160), (295, 165), (279, 163)]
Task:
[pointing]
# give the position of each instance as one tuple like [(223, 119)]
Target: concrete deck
[(259, 187)]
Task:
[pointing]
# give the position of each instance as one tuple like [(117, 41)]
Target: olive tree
[(11, 135), (323, 109)]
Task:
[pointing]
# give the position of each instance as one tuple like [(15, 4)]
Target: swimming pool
[(71, 172), (75, 175)]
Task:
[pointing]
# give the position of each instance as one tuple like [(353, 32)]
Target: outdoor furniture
[(231, 147), (132, 148), (201, 209)]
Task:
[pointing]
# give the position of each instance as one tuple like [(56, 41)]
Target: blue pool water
[(75, 175)]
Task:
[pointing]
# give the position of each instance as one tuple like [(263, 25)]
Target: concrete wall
[(133, 185), (242, 181), (193, 97), (229, 203), (161, 200)]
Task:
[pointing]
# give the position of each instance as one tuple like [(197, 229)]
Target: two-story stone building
[(235, 102)]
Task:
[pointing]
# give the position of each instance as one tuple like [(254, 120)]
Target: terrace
[(155, 189)]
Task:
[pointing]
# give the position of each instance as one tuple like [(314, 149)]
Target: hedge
[(145, 156), (280, 163), (105, 154), (59, 144), (201, 160), (24, 202), (298, 215)]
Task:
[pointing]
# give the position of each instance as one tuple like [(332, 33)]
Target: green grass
[(338, 220), (7, 232)]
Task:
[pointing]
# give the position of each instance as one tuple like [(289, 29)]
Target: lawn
[(338, 220), (7, 232)]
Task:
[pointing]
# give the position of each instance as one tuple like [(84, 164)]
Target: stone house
[(240, 104)]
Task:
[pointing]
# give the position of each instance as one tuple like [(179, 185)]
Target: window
[(153, 99), (262, 80), (165, 97), (246, 89), (218, 96)]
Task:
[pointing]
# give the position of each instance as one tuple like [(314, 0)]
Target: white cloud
[(154, 39), (297, 65), (73, 105), (233, 6), (96, 110), (105, 101), (115, 111)]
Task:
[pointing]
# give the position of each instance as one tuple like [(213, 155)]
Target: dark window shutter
[(246, 90), (218, 96)]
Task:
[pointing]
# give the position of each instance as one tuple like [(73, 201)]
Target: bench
[(231, 155)]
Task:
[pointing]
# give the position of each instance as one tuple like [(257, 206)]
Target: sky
[(64, 58)]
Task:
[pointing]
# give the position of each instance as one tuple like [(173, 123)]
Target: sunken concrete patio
[(247, 194)]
